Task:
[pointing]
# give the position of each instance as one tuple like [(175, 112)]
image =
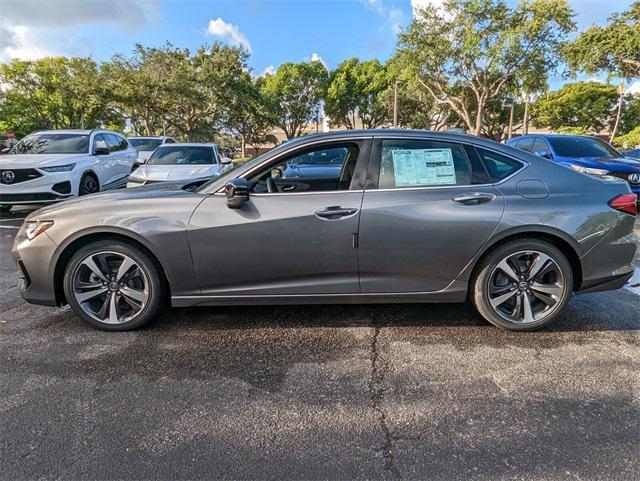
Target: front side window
[(498, 166), (526, 144), (53, 143), (325, 168), (114, 142), (176, 155), (575, 147), (423, 163), (540, 148)]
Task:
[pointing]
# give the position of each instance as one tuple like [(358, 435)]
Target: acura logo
[(8, 176), (634, 178)]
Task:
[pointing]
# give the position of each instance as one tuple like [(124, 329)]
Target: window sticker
[(423, 167)]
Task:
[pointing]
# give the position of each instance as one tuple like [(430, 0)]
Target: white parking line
[(9, 227)]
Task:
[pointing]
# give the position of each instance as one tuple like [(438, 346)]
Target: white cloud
[(64, 13), (269, 70), (31, 29), (27, 43), (229, 32), (394, 15), (317, 58)]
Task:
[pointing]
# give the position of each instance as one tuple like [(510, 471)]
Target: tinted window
[(181, 155), (169, 141), (52, 144), (99, 142), (115, 142), (526, 144), (498, 166), (417, 163), (146, 144), (539, 145), (319, 169), (582, 147)]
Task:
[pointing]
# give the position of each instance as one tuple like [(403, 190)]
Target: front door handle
[(335, 212), (474, 198)]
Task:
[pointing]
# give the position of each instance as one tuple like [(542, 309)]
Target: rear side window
[(423, 163), (498, 166)]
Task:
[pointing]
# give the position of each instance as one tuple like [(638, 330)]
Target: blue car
[(583, 154)]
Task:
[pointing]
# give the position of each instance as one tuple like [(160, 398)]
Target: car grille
[(15, 176), (27, 197), (624, 176)]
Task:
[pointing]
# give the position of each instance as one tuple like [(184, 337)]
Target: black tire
[(5, 208), (154, 304), (483, 282), (88, 184)]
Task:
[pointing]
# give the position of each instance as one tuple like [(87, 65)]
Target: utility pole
[(395, 104), (510, 123), (525, 118)]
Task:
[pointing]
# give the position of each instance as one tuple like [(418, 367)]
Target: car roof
[(76, 131), (189, 144), (149, 137)]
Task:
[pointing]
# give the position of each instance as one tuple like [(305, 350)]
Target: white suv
[(54, 165)]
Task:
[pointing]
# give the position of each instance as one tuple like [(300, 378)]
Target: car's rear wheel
[(523, 284), (88, 185), (113, 286)]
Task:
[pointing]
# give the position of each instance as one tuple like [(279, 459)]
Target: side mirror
[(237, 192), (226, 161), (101, 151), (5, 150), (542, 153)]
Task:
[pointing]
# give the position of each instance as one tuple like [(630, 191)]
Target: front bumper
[(49, 187), (36, 267)]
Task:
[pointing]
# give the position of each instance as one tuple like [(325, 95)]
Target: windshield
[(52, 144), (145, 144), (176, 155), (582, 147)]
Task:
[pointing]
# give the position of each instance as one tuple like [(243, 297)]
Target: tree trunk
[(242, 146), (619, 113), (525, 118), (477, 130)]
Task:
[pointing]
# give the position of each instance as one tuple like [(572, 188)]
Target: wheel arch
[(568, 246), (66, 251)]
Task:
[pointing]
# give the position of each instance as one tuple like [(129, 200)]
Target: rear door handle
[(335, 212), (474, 198)]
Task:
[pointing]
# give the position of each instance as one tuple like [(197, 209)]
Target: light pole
[(395, 104)]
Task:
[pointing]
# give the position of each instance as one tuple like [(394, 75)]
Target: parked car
[(55, 165), (146, 145), (584, 154), (634, 153), (413, 217), (177, 162), (320, 167)]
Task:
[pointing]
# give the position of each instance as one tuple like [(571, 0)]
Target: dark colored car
[(412, 217), (583, 154)]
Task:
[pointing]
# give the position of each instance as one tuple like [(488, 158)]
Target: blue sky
[(276, 31)]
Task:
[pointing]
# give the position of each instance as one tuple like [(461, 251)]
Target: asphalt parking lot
[(333, 392)]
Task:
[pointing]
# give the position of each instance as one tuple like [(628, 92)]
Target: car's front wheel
[(523, 284), (88, 185), (113, 286)]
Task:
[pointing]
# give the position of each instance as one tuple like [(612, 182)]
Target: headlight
[(59, 168), (36, 227), (589, 170)]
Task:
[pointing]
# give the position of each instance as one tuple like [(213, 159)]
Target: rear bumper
[(605, 284)]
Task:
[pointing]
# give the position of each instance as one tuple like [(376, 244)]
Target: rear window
[(145, 145), (180, 155), (576, 147), (498, 166)]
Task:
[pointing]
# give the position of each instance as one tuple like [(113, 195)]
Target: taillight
[(627, 203)]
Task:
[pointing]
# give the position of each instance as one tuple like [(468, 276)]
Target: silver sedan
[(409, 216)]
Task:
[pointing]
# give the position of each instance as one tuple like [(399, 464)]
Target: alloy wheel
[(526, 287), (111, 287), (89, 185)]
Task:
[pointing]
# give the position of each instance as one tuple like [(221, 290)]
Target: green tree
[(189, 94), (53, 93), (249, 115), (466, 54), (356, 91), (630, 140), (581, 105), (613, 49), (294, 93)]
